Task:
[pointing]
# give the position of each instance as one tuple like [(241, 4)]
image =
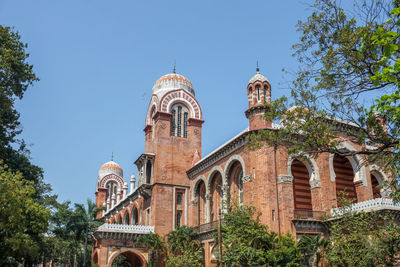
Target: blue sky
[(98, 60)]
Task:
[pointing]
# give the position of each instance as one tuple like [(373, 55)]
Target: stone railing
[(123, 228), (368, 205), (308, 215)]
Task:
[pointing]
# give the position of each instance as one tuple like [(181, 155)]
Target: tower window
[(178, 218), (258, 92), (180, 116), (179, 196), (265, 93)]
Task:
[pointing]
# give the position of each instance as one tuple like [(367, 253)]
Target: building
[(176, 185)]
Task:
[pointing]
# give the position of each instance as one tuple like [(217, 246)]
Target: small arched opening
[(135, 216), (126, 218), (148, 172), (235, 183), (216, 195), (120, 219), (344, 179), (201, 202)]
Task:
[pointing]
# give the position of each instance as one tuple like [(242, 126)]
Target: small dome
[(173, 81), (258, 77), (110, 167)]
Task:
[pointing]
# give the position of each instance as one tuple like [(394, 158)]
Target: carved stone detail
[(315, 184), (246, 178), (285, 179)]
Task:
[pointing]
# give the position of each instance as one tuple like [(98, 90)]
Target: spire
[(174, 70), (112, 156), (257, 69)]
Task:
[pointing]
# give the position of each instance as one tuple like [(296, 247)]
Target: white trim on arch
[(228, 165), (196, 183), (210, 176), (311, 166), (356, 163), (382, 178)]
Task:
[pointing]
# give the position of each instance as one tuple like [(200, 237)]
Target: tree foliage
[(22, 219), (247, 242)]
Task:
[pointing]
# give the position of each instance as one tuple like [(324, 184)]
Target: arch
[(154, 102), (213, 171), (111, 177), (126, 217), (229, 164), (301, 185), (119, 221), (344, 180), (356, 163), (133, 255), (234, 185), (311, 166), (179, 121), (381, 178), (182, 96), (135, 215), (215, 194), (196, 184), (200, 194)]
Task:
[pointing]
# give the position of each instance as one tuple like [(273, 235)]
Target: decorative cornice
[(143, 157), (147, 129), (195, 122), (285, 179), (162, 116)]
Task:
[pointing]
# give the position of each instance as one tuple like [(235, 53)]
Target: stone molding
[(285, 179)]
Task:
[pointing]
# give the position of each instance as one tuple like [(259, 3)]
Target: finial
[(174, 70), (112, 156), (257, 69)]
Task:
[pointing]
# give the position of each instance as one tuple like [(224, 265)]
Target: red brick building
[(176, 185)]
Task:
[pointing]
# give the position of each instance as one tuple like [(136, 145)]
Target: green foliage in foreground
[(247, 242), (22, 218)]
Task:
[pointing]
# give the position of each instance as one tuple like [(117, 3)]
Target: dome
[(258, 77), (172, 81), (110, 167)]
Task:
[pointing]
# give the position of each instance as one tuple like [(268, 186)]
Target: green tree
[(312, 248), (247, 242), (22, 218), (154, 243), (184, 248)]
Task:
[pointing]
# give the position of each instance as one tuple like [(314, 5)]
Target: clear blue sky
[(98, 60)]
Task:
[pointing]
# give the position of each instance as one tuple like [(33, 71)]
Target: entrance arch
[(135, 258)]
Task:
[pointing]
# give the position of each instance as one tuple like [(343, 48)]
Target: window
[(258, 92), (265, 93), (178, 218), (111, 189), (179, 196), (179, 120)]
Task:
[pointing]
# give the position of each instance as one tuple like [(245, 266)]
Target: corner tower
[(258, 95)]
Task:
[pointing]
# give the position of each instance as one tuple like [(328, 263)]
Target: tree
[(312, 247), (155, 243), (184, 248), (83, 222), (22, 218), (247, 242), (343, 57)]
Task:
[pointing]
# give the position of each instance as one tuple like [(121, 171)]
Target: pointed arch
[(231, 161), (213, 171), (381, 178), (133, 255), (195, 185)]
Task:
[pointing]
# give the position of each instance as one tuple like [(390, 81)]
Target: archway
[(201, 202), (235, 183), (216, 195), (126, 217), (135, 216), (344, 178), (127, 258), (301, 186), (376, 191)]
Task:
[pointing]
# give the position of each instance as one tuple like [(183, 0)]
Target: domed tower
[(258, 94), (172, 146), (110, 184)]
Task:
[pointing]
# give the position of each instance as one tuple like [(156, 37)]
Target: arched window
[(111, 189), (148, 172), (201, 203), (344, 178), (235, 176), (301, 186), (126, 218), (265, 93), (258, 92), (180, 115), (135, 216), (216, 196), (120, 220), (376, 191)]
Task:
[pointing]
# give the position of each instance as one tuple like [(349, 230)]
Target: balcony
[(206, 228), (309, 215), (376, 204)]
